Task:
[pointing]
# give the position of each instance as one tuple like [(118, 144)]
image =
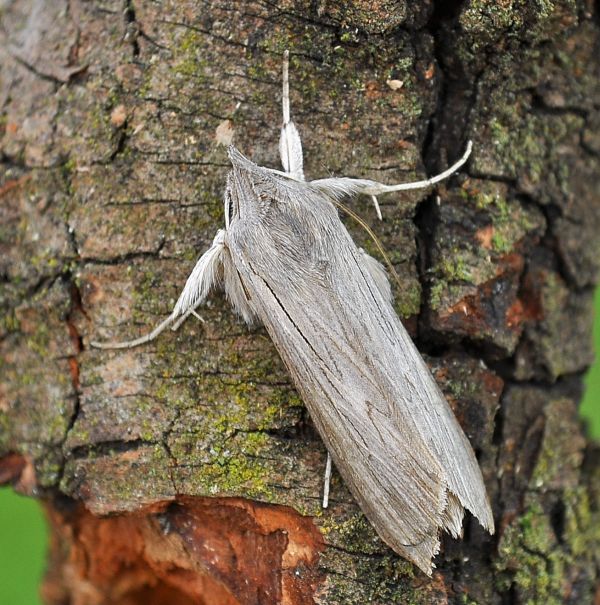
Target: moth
[(286, 260)]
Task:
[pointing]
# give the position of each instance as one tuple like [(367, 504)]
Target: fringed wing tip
[(452, 517), (422, 555), (451, 521), (484, 515), (488, 523), (454, 512)]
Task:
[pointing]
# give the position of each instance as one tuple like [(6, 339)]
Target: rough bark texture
[(187, 471)]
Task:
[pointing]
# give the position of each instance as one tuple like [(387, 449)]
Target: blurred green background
[(22, 549), (590, 407), (23, 531)]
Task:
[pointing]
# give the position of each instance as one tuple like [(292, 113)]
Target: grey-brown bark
[(113, 119)]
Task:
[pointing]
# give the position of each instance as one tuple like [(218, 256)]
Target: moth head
[(251, 190)]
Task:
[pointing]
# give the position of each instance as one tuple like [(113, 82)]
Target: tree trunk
[(187, 470)]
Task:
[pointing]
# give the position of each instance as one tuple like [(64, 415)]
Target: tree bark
[(187, 470)]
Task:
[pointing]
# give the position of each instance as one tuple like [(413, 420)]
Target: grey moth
[(285, 259)]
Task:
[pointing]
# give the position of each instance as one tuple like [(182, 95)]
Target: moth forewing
[(382, 417)]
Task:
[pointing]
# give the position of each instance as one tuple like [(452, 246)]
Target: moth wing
[(379, 275), (396, 479), (379, 411)]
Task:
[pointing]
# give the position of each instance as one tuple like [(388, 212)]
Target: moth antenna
[(204, 276), (327, 481), (377, 208), (372, 235), (290, 144)]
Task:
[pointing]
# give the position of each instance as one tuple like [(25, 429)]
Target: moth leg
[(189, 312), (343, 186), (327, 481), (380, 188), (128, 344), (285, 83), (205, 275), (290, 145)]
